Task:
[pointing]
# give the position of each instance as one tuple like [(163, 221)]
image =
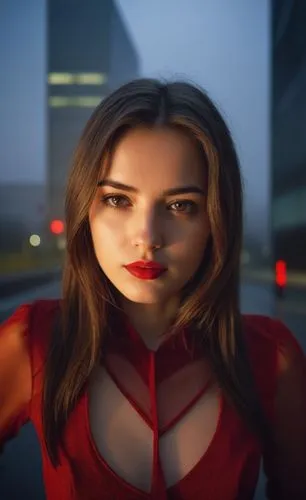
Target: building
[(68, 54), (288, 133), (89, 54)]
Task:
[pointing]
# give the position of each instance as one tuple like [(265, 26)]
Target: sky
[(221, 45), (22, 91)]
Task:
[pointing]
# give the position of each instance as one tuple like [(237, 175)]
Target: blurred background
[(60, 58)]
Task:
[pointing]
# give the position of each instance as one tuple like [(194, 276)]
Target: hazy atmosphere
[(222, 46)]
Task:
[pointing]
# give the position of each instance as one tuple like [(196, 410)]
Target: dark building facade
[(89, 54), (288, 132)]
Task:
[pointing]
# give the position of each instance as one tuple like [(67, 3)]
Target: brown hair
[(210, 303)]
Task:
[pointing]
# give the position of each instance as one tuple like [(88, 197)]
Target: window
[(74, 102), (77, 78)]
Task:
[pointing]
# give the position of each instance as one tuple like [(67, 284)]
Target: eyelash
[(192, 207)]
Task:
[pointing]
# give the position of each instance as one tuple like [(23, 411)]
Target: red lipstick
[(145, 269)]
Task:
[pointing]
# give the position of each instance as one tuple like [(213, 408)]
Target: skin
[(150, 224)]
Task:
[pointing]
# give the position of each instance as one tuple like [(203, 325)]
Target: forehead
[(161, 157)]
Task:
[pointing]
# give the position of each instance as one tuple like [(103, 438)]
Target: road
[(20, 466)]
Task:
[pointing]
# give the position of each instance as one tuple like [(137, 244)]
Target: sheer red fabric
[(154, 425)]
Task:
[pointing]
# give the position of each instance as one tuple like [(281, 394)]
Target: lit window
[(90, 78), (74, 102), (58, 102), (77, 78), (61, 79)]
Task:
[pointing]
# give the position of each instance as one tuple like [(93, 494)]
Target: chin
[(142, 296), (138, 298)]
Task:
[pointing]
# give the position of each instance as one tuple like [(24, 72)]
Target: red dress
[(155, 385)]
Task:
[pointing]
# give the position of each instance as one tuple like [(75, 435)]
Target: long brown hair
[(210, 303)]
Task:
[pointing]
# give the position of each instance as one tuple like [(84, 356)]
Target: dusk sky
[(221, 45)]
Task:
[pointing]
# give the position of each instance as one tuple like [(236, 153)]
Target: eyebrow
[(168, 192)]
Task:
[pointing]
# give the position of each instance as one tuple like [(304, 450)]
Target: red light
[(57, 227), (281, 273)]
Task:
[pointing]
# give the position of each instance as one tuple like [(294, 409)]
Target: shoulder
[(17, 329), (279, 365), (22, 337), (266, 333), (26, 332), (29, 316), (25, 313), (275, 354)]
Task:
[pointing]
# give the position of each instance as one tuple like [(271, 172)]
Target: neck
[(151, 320)]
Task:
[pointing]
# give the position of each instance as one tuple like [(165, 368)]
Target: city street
[(20, 467)]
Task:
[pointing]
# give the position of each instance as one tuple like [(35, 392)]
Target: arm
[(15, 374), (285, 460)]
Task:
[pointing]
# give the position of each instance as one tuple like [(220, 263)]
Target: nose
[(147, 232)]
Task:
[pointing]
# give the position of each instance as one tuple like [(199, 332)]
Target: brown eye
[(116, 201), (184, 207)]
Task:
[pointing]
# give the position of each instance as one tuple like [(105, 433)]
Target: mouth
[(146, 270)]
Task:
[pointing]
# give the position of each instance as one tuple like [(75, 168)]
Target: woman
[(145, 381)]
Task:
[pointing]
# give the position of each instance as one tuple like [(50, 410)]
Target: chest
[(128, 439)]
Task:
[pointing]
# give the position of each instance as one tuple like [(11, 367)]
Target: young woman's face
[(151, 207)]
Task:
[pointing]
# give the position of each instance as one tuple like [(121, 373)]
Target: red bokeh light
[(281, 273), (57, 226)]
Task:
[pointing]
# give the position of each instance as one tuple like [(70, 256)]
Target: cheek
[(195, 244), (191, 245), (107, 235), (195, 234)]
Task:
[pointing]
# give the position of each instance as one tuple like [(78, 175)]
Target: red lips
[(145, 270)]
